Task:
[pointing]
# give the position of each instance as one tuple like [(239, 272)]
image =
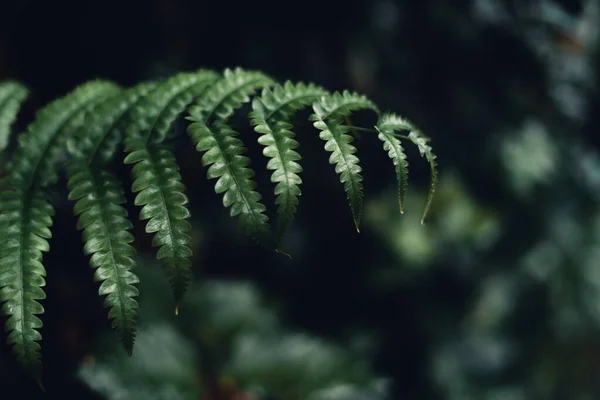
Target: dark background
[(467, 80)]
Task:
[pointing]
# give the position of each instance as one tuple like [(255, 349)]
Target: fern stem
[(358, 128)]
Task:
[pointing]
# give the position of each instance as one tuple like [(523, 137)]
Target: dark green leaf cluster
[(100, 124)]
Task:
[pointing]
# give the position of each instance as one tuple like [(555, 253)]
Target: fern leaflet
[(390, 123), (99, 207), (106, 236), (330, 112), (224, 151), (392, 145), (270, 117), (12, 94), (161, 192)]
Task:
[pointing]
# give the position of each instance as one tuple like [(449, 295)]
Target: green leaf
[(155, 172), (417, 138), (106, 237), (160, 193), (27, 216), (271, 119), (391, 123), (223, 154), (12, 94), (224, 151), (330, 111), (392, 145)]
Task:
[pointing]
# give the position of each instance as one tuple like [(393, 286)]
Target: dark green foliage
[(270, 117), (330, 113), (107, 238), (160, 194), (84, 131), (387, 125), (224, 152), (12, 94), (155, 178), (27, 216)]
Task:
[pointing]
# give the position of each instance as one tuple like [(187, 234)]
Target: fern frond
[(223, 154), (12, 94), (391, 144), (417, 138), (27, 216), (391, 122), (330, 112), (107, 239), (159, 191), (25, 224), (224, 151), (270, 117), (155, 172)]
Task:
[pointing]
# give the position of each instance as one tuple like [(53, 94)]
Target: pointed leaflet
[(223, 155), (155, 173), (270, 117), (391, 144), (107, 238), (160, 194), (330, 112), (27, 215), (417, 138), (101, 214), (12, 94), (224, 151), (391, 123)]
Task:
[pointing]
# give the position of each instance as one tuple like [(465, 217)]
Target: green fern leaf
[(270, 117), (417, 138), (391, 144), (12, 94), (106, 237), (155, 175), (159, 191), (27, 217), (391, 123), (224, 151), (223, 154), (330, 111), (100, 210)]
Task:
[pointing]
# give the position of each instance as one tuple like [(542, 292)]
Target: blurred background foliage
[(496, 297)]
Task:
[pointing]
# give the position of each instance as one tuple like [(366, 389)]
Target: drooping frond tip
[(426, 151), (223, 152), (330, 112), (270, 116), (388, 124)]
